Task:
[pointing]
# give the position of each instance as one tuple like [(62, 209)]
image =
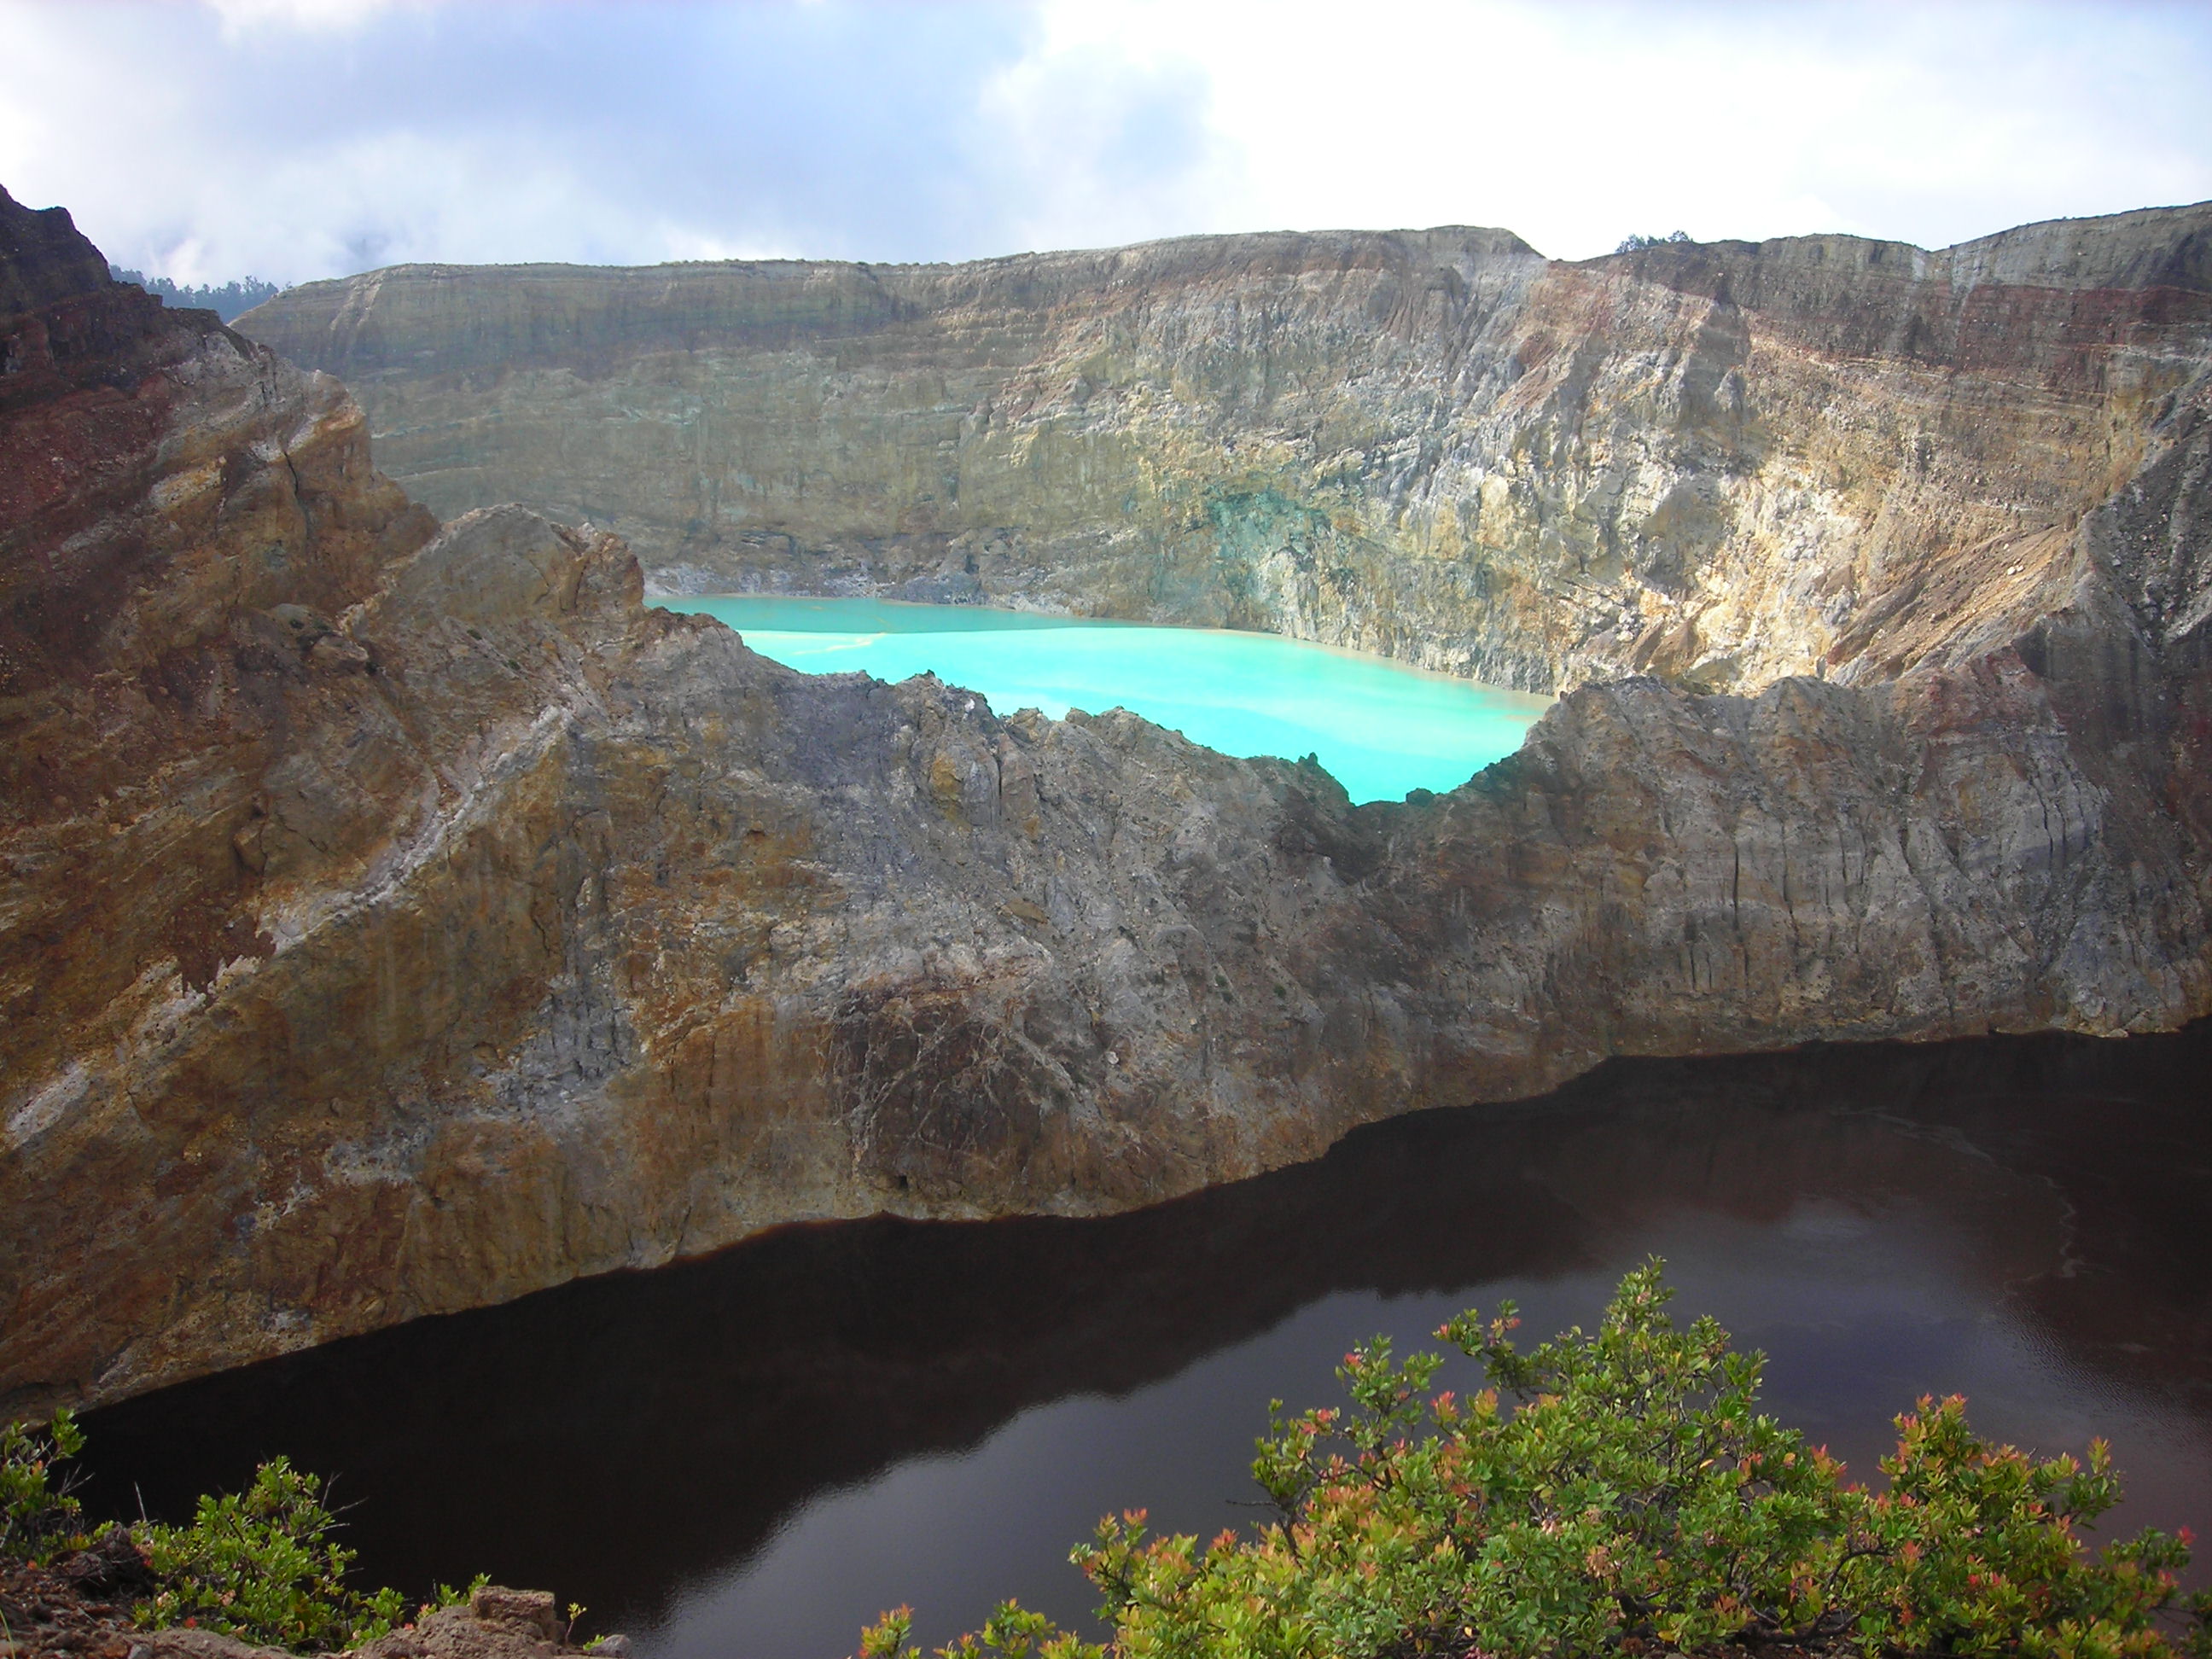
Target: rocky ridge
[(399, 919), (1719, 464)]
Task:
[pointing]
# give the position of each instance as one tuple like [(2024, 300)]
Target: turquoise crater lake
[(1380, 727)]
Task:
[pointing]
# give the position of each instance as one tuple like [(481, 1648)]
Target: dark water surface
[(750, 1456)]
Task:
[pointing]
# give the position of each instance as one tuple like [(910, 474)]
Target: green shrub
[(1630, 1500), (1012, 1630), (38, 1516), (260, 1564)]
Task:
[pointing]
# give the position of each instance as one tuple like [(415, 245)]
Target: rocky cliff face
[(1720, 463), (401, 919)]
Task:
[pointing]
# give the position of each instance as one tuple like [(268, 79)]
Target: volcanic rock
[(1719, 464), (400, 918)]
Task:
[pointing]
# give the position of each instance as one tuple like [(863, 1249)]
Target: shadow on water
[(751, 1453)]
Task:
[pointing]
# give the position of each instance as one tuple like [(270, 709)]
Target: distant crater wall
[(1719, 464)]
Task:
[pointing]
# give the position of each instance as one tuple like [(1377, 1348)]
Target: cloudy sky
[(289, 139)]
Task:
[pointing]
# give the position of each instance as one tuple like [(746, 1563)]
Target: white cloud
[(1099, 140), (1576, 124), (479, 132), (296, 139), (241, 17)]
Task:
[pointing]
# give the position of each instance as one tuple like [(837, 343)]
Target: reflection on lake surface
[(1379, 727), (750, 1454)]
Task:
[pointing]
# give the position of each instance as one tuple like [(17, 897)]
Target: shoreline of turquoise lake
[(1381, 728)]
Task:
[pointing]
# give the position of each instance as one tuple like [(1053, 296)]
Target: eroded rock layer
[(400, 918), (1718, 463)]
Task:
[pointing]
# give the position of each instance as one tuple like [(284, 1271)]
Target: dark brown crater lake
[(747, 1456)]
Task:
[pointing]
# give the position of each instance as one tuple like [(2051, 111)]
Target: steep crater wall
[(400, 918), (1717, 463)]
